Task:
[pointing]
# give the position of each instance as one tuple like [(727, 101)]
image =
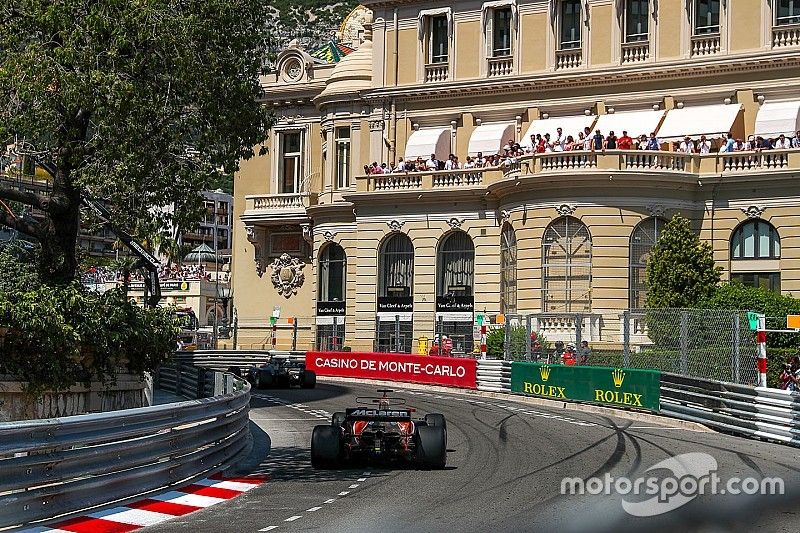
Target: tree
[(140, 103), (681, 269)]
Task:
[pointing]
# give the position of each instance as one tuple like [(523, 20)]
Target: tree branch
[(28, 198), (14, 222)]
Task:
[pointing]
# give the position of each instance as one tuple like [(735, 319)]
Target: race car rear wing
[(381, 415)]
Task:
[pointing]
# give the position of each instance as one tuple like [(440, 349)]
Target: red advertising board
[(448, 371)]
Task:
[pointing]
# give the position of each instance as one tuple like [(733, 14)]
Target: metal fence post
[(684, 342), (507, 356), (735, 352), (528, 330), (439, 333), (335, 334), (578, 330), (294, 334), (626, 338), (397, 333)]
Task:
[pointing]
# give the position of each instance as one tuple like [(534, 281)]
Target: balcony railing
[(579, 162), (435, 72), (280, 204), (635, 52), (568, 58), (500, 66), (705, 45), (788, 35)]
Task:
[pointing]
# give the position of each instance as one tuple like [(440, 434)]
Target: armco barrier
[(447, 371), (617, 387), (56, 466)]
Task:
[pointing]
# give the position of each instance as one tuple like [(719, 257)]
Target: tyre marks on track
[(272, 401)]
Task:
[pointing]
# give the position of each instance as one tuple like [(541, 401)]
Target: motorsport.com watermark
[(692, 474)]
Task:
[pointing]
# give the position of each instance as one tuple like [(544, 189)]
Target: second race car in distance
[(381, 429), (281, 371)]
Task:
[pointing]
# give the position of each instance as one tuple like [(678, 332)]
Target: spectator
[(570, 144), (790, 377), (401, 166), (559, 141), (686, 146), (610, 142), (470, 163), (585, 352), (653, 143), (625, 142), (534, 142), (548, 146), (642, 142), (598, 142), (558, 351), (704, 146), (540, 144), (587, 140), (796, 140), (480, 161), (782, 143), (449, 164), (730, 143), (432, 163), (385, 169), (568, 357)]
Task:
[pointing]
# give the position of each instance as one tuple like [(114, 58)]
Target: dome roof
[(354, 72)]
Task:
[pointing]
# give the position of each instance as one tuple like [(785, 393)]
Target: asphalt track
[(505, 464)]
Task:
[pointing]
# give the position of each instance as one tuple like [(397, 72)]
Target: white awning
[(775, 118), (708, 120), (571, 125), (423, 143), (446, 11), (494, 4), (490, 138), (636, 123)]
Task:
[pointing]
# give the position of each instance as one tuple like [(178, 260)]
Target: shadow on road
[(323, 391)]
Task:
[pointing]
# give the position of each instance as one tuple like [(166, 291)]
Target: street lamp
[(224, 293)]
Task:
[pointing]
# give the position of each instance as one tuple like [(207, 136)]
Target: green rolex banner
[(623, 387)]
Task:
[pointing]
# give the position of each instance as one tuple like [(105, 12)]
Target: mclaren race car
[(281, 372), (382, 428)]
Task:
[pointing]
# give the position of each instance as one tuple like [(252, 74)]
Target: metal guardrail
[(50, 467), (494, 375), (755, 412), (222, 360)]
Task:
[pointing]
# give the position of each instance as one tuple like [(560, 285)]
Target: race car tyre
[(431, 447), (338, 419), (436, 420), (325, 446), (309, 379)]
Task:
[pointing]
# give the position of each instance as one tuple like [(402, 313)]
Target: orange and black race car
[(382, 429)]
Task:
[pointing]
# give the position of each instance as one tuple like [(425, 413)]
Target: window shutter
[(489, 33)]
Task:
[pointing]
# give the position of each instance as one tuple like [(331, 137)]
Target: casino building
[(378, 261)]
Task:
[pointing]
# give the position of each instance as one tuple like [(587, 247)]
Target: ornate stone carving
[(656, 210), (505, 216), (287, 274), (256, 237), (328, 235), (307, 236), (565, 210), (754, 211), (376, 125), (395, 225), (455, 223)]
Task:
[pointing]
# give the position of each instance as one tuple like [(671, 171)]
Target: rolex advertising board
[(621, 387)]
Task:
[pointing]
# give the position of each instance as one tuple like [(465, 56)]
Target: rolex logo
[(619, 376), (544, 372)]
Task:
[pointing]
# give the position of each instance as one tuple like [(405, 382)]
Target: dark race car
[(382, 429), (281, 372)]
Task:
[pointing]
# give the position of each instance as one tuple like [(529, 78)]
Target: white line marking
[(344, 493), (353, 486), (362, 479), (313, 509), (366, 473), (293, 518), (269, 528), (330, 501), (651, 427)]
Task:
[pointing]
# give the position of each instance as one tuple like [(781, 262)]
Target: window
[(396, 267), (770, 281), (636, 20), (290, 162), (644, 237), (342, 142), (570, 24), (787, 12), (501, 32), (332, 268), (755, 239), (454, 290), (439, 39), (566, 266), (706, 17), (508, 270)]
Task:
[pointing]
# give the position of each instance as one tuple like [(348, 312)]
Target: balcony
[(705, 45), (278, 208), (786, 35), (436, 72), (569, 58), (417, 181), (635, 52), (500, 66)]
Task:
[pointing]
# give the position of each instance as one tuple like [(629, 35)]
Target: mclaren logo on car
[(379, 413)]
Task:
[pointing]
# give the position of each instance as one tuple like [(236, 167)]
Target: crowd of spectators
[(588, 142), (95, 275)]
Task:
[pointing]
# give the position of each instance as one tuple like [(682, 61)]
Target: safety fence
[(58, 466)]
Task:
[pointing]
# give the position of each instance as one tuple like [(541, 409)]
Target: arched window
[(331, 294), (755, 254), (508, 270), (455, 274), (567, 266), (395, 306), (643, 238)]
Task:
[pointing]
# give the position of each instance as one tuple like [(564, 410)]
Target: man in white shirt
[(548, 146), (448, 165), (782, 143), (401, 166), (686, 146), (479, 160), (559, 141), (432, 163), (704, 146)]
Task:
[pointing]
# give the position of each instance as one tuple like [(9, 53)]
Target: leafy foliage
[(681, 269), (142, 103), (495, 343)]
